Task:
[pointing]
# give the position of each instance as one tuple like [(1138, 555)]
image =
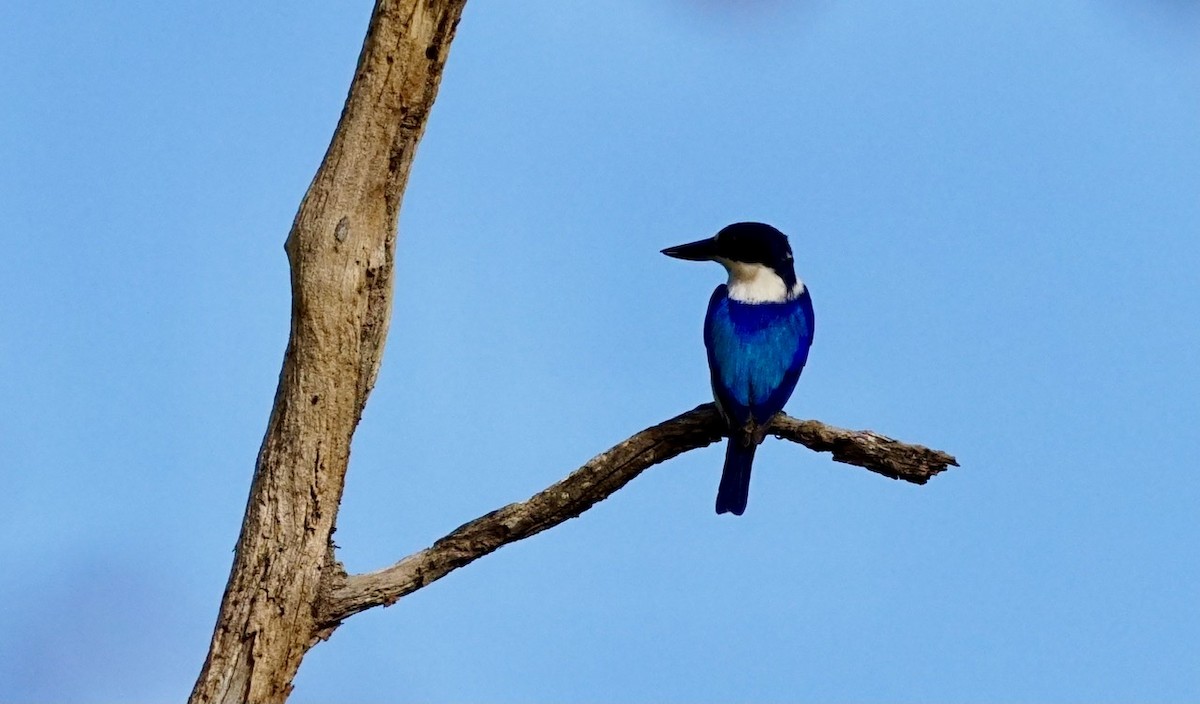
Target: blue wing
[(756, 353)]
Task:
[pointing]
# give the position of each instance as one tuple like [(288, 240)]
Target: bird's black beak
[(702, 251)]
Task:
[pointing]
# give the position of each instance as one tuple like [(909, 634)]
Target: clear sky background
[(996, 206)]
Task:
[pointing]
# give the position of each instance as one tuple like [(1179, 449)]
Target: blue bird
[(758, 330)]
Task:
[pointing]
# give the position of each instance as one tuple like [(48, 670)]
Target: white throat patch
[(757, 283)]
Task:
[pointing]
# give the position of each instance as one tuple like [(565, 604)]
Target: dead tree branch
[(341, 250), (286, 590), (596, 481)]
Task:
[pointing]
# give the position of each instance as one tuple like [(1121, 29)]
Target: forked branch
[(285, 590), (596, 481), (342, 253)]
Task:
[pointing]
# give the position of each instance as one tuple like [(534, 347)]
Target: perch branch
[(597, 480)]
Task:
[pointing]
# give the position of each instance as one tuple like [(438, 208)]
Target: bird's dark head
[(757, 256)]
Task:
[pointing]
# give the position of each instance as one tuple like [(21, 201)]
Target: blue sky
[(996, 206)]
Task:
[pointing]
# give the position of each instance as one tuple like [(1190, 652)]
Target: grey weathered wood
[(596, 481), (286, 590), (864, 448), (341, 249)]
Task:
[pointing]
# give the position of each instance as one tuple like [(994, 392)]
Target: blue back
[(756, 352)]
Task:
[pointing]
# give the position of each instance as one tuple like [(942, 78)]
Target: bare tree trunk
[(286, 590), (341, 248)]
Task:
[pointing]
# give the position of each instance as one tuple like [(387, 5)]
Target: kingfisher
[(758, 331)]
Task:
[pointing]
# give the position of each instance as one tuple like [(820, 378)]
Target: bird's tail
[(735, 478)]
